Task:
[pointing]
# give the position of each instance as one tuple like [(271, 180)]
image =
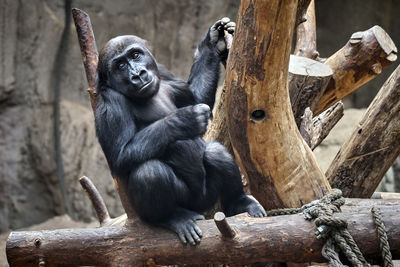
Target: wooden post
[(281, 238), (364, 57), (373, 146), (260, 118)]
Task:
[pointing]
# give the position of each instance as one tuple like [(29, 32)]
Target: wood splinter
[(223, 225), (96, 199)]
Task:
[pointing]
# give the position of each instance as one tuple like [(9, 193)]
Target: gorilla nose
[(140, 78)]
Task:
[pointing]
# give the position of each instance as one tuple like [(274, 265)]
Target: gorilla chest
[(153, 110)]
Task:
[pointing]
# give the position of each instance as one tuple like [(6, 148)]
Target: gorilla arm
[(204, 75), (118, 133)]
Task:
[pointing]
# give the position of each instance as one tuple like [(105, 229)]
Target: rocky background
[(35, 59)]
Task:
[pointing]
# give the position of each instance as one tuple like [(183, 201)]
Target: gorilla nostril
[(143, 75)]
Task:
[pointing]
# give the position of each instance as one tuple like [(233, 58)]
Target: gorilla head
[(127, 66)]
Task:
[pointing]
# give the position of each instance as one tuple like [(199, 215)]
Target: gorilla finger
[(216, 25), (194, 234), (199, 217), (198, 230), (230, 25), (225, 20), (231, 30), (201, 108), (189, 237), (182, 237)]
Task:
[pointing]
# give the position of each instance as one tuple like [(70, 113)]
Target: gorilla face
[(127, 66)]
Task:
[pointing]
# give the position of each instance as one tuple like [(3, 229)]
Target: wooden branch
[(90, 60), (364, 158), (307, 82), (279, 239), (306, 35), (260, 121), (306, 127), (364, 57), (324, 122), (96, 199), (90, 56)]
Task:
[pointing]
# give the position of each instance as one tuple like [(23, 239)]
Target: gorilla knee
[(216, 154)]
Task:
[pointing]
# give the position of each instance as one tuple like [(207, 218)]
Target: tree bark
[(373, 146), (364, 57), (260, 120), (306, 35), (281, 238), (307, 82)]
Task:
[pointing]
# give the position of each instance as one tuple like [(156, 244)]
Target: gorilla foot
[(183, 222), (245, 204)]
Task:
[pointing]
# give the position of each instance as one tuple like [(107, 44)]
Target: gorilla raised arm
[(149, 125)]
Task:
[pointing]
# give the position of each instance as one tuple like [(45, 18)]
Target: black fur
[(149, 124)]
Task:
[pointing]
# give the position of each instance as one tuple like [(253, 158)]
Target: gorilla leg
[(155, 192), (223, 177)]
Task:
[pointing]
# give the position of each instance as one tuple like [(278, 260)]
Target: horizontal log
[(278, 239)]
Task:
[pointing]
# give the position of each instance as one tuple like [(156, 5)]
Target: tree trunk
[(364, 57), (372, 148), (260, 120), (281, 238)]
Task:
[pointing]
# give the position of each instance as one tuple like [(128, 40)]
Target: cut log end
[(223, 225), (307, 67), (385, 41)]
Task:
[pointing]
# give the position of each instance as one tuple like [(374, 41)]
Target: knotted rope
[(334, 230)]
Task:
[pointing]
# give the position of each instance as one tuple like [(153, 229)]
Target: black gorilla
[(149, 124)]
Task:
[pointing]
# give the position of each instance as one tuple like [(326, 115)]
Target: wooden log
[(364, 57), (279, 239), (367, 154), (306, 35), (307, 82), (260, 121)]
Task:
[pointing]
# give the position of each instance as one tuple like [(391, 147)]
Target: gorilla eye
[(121, 65), (135, 55)]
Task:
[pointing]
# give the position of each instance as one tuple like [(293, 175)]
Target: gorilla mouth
[(144, 87)]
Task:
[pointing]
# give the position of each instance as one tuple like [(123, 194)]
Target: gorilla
[(150, 125)]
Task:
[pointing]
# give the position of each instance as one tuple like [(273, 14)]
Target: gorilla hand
[(190, 121), (217, 35)]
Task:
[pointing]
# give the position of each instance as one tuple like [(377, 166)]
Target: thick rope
[(329, 252), (382, 236), (330, 228)]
